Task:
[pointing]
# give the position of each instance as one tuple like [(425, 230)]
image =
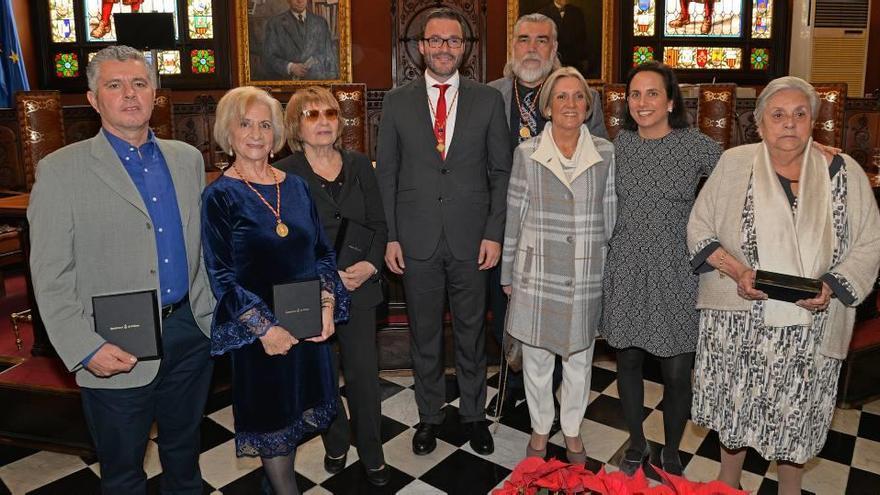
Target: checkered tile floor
[(849, 463)]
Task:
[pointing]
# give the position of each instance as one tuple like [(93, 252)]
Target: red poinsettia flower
[(682, 486), (534, 474)]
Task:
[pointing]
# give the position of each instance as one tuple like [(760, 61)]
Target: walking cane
[(502, 375)]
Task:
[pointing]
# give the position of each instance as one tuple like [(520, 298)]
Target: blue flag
[(12, 75)]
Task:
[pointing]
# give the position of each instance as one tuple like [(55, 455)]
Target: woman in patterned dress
[(766, 370), (649, 286)]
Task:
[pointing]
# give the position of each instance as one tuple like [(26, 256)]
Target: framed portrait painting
[(293, 42), (584, 28)]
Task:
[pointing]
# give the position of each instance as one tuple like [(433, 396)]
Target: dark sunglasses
[(312, 115)]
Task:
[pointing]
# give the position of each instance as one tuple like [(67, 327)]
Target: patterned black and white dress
[(768, 388), (648, 286)]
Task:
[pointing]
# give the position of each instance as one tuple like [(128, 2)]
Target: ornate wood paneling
[(408, 17)]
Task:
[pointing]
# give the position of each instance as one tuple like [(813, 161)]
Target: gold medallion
[(281, 229), (441, 147), (525, 132)]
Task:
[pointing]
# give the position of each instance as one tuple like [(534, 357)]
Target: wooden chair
[(614, 107), (716, 106), (828, 128), (41, 127), (353, 105), (162, 119)]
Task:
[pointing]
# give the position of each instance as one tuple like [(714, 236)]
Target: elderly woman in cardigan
[(766, 370), (560, 215)]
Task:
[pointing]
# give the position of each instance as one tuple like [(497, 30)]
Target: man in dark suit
[(298, 46), (444, 192), (118, 213)]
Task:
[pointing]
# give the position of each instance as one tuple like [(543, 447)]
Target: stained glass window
[(643, 17), (642, 54), (169, 62), (73, 31), (62, 22), (696, 57), (760, 58), (703, 18), (66, 65), (202, 61), (201, 21), (762, 19), (99, 15)]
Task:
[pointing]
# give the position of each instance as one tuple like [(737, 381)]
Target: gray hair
[(120, 53), (536, 18), (781, 84)]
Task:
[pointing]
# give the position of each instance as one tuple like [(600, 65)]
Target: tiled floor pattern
[(849, 462)]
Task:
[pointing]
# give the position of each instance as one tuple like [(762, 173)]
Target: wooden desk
[(13, 210)]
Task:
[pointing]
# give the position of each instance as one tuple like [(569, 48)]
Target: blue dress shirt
[(148, 170)]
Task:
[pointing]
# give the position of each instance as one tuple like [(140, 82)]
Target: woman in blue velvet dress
[(260, 228)]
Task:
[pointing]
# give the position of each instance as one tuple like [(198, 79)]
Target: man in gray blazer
[(534, 58), (444, 191), (116, 213)]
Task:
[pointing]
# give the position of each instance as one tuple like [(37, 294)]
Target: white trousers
[(538, 377)]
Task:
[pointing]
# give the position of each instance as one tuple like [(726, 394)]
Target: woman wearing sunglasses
[(344, 187)]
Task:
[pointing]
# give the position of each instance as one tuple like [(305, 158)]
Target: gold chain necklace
[(524, 131), (280, 228), (441, 147)]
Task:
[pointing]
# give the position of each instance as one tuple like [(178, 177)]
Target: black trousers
[(426, 284), (359, 361), (120, 419)]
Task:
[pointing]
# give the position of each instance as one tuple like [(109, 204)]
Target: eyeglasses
[(437, 42), (312, 115)]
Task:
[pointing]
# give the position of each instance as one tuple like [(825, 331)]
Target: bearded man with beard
[(534, 58), (443, 166)]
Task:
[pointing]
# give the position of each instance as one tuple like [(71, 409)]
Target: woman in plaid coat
[(561, 208)]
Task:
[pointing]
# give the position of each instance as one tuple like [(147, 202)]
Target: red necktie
[(440, 120)]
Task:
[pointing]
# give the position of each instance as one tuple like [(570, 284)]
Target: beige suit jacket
[(91, 234)]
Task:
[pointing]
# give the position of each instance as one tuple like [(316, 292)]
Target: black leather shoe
[(481, 439), (424, 441), (332, 465), (633, 459), (379, 477), (671, 462)]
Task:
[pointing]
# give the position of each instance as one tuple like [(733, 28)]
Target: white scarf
[(585, 156), (798, 244)]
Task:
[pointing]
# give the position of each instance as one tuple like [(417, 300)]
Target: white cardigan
[(717, 214)]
